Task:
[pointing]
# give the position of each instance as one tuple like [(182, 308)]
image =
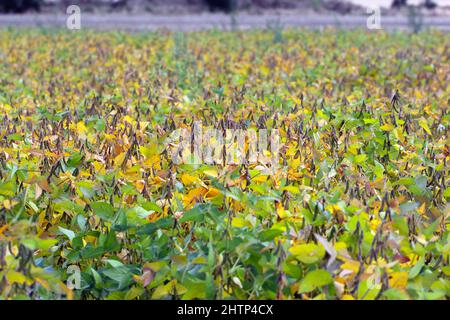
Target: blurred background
[(197, 6), (189, 15)]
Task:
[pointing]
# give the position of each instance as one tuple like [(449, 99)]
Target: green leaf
[(68, 233), (269, 235), (405, 181), (408, 207), (447, 192), (114, 263), (133, 293), (121, 275), (86, 189), (395, 294), (446, 270), (15, 277), (74, 160), (315, 279), (308, 253), (109, 242), (360, 158), (195, 214), (416, 269), (151, 206), (37, 243), (97, 279), (90, 252), (378, 170), (8, 189), (150, 228), (137, 215), (103, 210)]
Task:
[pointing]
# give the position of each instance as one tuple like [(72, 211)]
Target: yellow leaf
[(260, 178), (81, 128), (148, 151), (387, 127), (292, 189), (423, 123), (194, 195), (155, 266), (308, 252), (211, 172), (160, 292), (398, 280), (15, 277), (265, 71), (212, 193), (3, 228), (8, 204), (128, 119), (110, 137), (421, 209), (239, 223), (187, 179), (120, 158), (399, 135), (350, 265), (200, 260), (140, 184)]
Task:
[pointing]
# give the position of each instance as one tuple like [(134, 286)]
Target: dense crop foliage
[(357, 208)]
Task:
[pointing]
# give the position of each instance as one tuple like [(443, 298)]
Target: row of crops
[(93, 206)]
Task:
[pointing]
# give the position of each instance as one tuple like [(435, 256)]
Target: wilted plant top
[(355, 205)]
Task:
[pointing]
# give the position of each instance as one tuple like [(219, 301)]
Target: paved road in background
[(211, 21)]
